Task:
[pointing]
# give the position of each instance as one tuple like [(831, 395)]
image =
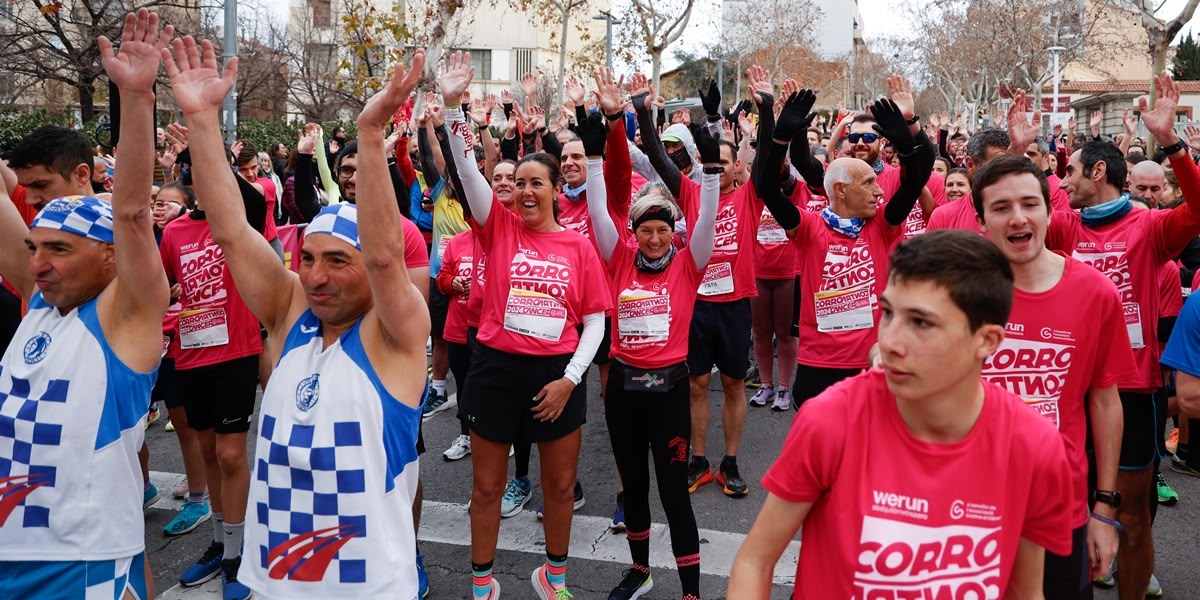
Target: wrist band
[(615, 116), (1173, 148), (1107, 520), (913, 121), (713, 170)]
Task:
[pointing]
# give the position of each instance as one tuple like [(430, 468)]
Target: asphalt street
[(598, 557)]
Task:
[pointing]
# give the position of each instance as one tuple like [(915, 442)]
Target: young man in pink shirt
[(919, 479), (1064, 352)]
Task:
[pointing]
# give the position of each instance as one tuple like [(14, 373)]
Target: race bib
[(1133, 324), (718, 279), (644, 316), (844, 310), (203, 328), (769, 231), (535, 315), (165, 345), (441, 245)]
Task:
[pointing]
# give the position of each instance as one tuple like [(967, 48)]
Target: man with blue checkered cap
[(75, 381), (336, 463)]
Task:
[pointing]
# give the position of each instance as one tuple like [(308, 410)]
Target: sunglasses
[(865, 137)]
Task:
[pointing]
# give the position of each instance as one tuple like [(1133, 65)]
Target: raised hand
[(1095, 121), (760, 82), (1161, 120), (1130, 122), (178, 136), (529, 86), (198, 83), (795, 116), (1021, 131), (608, 94), (900, 91), (457, 74), (640, 91), (709, 147), (891, 124), (1193, 136), (594, 134), (380, 108), (575, 91), (435, 114), (389, 143), (134, 67), (308, 139), (710, 98), (945, 122), (1072, 124), (506, 96), (745, 124), (479, 111), (790, 87)]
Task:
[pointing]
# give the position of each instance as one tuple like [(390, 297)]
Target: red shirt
[(1131, 252), (1059, 199), (416, 254), (479, 268), (730, 273), (268, 187), (958, 214), (774, 255), (573, 214), (653, 310), (457, 261), (1170, 290), (1058, 345), (897, 517), (840, 282), (541, 284), (215, 325)]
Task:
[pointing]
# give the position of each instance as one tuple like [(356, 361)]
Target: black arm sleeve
[(653, 147), (443, 137), (255, 204), (943, 138), (551, 145), (306, 193), (529, 144), (810, 168), (510, 148), (1165, 326), (1190, 257), (914, 174), (766, 131), (428, 166), (401, 189), (767, 183)]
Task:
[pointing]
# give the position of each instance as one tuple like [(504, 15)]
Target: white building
[(839, 33)]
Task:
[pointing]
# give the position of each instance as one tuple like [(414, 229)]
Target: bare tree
[(776, 34), (565, 13), (262, 57), (653, 26), (55, 41), (1159, 34), (313, 70)]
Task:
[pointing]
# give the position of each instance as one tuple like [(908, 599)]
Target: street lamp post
[(230, 51), (608, 42), (1056, 50)]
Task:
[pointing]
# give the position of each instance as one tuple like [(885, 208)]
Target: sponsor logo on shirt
[(36, 348), (846, 269), (308, 392), (202, 275), (726, 228), (543, 276), (892, 503), (903, 560), (961, 509), (1034, 370)]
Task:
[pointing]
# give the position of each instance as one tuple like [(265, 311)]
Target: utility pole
[(230, 51)]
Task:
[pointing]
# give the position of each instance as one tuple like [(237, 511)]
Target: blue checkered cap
[(89, 217), (338, 220)]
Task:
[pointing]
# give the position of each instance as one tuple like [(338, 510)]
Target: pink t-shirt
[(1059, 199), (459, 259), (573, 214), (1131, 252), (215, 325), (896, 517), (653, 310), (268, 186), (1058, 345), (540, 286), (958, 214), (774, 254), (416, 255), (1170, 291), (840, 282), (730, 274)]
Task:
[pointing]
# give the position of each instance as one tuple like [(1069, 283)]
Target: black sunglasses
[(866, 137)]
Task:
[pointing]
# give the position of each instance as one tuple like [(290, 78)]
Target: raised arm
[(594, 134), (269, 288), (704, 232), (304, 186), (894, 121), (14, 256), (652, 146), (141, 287), (328, 183), (456, 76), (400, 307)]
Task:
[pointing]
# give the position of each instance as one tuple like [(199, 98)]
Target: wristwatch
[(913, 121), (1173, 148), (1110, 498)]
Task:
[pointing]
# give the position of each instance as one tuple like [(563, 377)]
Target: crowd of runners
[(985, 334)]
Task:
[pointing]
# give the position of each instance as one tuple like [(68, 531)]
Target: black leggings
[(661, 422), (460, 365)]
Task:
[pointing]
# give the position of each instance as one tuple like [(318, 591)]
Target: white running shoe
[(458, 450)]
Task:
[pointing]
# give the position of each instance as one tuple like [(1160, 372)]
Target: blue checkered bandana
[(338, 220), (848, 227), (89, 217)]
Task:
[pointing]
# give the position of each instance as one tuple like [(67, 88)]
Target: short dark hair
[(816, 131), (1134, 159), (973, 271), (863, 118), (58, 149), (1000, 167), (249, 152), (983, 139), (1097, 151), (189, 195), (733, 149), (350, 149)]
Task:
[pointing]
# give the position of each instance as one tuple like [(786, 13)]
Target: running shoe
[(698, 475), (763, 396), (206, 568), (149, 496), (1182, 468), (459, 449), (731, 482), (1166, 495), (232, 589), (190, 516), (422, 578), (1173, 441), (436, 403), (1154, 590), (752, 380), (182, 490), (1108, 580), (516, 496), (580, 500), (169, 426), (544, 590), (618, 522), (634, 584), (783, 401), (152, 415)]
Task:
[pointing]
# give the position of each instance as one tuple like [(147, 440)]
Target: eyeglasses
[(868, 138), (347, 172)]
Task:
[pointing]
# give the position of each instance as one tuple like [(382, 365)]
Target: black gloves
[(890, 123), (593, 131), (711, 99), (796, 115), (708, 146)]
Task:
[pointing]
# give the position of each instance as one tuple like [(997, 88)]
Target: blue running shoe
[(422, 578), (190, 516), (232, 589), (206, 568), (149, 496)]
